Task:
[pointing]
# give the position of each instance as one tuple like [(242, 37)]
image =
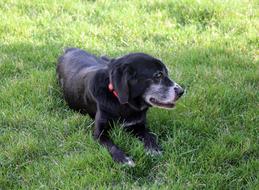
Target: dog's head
[(144, 77)]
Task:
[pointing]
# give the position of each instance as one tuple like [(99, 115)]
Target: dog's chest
[(132, 118), (127, 123)]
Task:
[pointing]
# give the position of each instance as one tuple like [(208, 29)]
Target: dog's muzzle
[(158, 95)]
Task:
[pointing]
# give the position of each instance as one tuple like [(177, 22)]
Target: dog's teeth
[(130, 162)]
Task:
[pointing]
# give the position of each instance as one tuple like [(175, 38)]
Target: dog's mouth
[(157, 103)]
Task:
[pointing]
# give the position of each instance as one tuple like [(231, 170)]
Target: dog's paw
[(126, 161), (120, 157), (129, 162), (154, 151)]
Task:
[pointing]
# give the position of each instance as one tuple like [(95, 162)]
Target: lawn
[(210, 141)]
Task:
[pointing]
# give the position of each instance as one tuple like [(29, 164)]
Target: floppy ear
[(138, 88), (119, 77)]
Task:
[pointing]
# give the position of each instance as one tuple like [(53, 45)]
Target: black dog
[(120, 89)]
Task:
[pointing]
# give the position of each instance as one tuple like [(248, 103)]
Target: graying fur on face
[(162, 94)]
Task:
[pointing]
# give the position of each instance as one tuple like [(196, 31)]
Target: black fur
[(85, 78)]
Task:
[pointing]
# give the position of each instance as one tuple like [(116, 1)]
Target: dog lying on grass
[(120, 90)]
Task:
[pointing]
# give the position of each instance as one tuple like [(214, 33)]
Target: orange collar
[(111, 89)]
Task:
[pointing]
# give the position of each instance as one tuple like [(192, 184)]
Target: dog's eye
[(158, 75)]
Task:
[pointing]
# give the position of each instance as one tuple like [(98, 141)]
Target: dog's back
[(74, 60), (74, 67)]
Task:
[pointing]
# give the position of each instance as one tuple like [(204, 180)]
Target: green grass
[(210, 140)]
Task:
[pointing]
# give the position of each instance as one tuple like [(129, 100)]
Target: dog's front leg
[(147, 137), (102, 126)]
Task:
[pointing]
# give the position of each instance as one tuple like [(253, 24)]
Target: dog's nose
[(179, 91)]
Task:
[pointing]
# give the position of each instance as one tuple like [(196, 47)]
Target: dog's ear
[(138, 87), (119, 77)]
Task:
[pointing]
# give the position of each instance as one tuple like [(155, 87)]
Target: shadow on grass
[(21, 58)]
